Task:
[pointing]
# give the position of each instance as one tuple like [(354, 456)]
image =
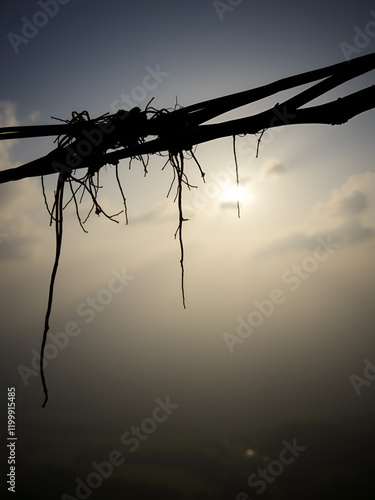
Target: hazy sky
[(279, 302)]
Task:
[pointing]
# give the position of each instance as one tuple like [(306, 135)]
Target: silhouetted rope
[(177, 162), (122, 194), (237, 175), (58, 206)]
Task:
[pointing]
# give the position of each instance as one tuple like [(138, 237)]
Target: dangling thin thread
[(59, 196), (237, 176)]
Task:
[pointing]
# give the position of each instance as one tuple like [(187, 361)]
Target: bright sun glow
[(234, 193)]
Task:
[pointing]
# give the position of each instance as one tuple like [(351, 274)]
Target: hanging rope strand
[(59, 197), (237, 175), (177, 162), (180, 179)]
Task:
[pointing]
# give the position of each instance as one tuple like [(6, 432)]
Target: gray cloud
[(349, 233), (159, 213), (272, 170), (231, 205), (341, 218), (293, 242), (353, 232), (355, 203), (16, 248)]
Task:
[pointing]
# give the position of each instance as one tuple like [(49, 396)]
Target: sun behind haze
[(279, 302)]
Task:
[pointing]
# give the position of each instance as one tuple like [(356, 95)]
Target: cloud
[(348, 217), (294, 241), (272, 170), (7, 119), (161, 211), (8, 114), (20, 204), (19, 200), (354, 203), (231, 205), (350, 199), (34, 115), (351, 233), (16, 248)]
